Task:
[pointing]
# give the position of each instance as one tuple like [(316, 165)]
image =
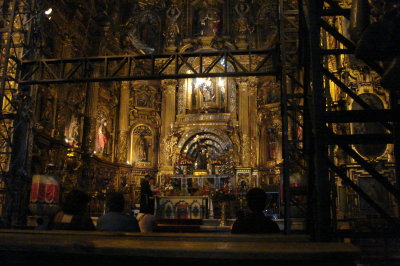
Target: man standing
[(146, 196)]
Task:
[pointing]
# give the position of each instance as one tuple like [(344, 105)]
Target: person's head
[(256, 199), (116, 202), (147, 177), (75, 202)]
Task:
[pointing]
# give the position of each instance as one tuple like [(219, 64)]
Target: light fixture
[(48, 11), (66, 140)]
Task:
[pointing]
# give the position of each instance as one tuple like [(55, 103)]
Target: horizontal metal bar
[(361, 116), (148, 77), (147, 67), (111, 58), (360, 139)]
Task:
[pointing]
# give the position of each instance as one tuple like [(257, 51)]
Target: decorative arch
[(225, 142)]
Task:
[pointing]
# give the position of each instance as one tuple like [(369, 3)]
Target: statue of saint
[(207, 91), (243, 23), (173, 31), (102, 136), (201, 161), (142, 149)]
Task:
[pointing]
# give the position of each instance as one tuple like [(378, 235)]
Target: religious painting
[(371, 151), (207, 19)]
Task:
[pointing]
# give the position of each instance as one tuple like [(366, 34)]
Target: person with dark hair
[(255, 222), (115, 220), (146, 196), (145, 216), (73, 214)]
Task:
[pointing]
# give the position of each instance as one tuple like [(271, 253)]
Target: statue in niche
[(243, 26), (142, 149), (47, 106), (173, 13), (209, 19), (201, 158), (102, 136), (73, 130), (207, 91), (201, 161)]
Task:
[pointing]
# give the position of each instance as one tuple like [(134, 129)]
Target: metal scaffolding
[(17, 18), (315, 15), (148, 67), (308, 119)]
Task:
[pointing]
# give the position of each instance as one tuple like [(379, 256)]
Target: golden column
[(123, 121), (168, 112), (248, 118), (253, 126)]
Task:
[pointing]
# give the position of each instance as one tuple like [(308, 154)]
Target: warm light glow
[(128, 162), (66, 140), (189, 72), (221, 82), (48, 11), (94, 152), (198, 82)]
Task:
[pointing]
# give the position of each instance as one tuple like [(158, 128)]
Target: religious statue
[(173, 31), (201, 161), (207, 91), (170, 143), (102, 136), (209, 21), (142, 149), (73, 131), (242, 9)]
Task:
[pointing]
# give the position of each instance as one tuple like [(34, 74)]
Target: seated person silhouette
[(115, 220), (255, 222), (73, 215)]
